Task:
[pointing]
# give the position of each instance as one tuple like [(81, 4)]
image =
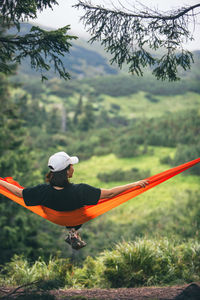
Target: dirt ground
[(184, 292)]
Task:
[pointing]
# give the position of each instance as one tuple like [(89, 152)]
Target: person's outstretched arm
[(12, 188), (109, 193)]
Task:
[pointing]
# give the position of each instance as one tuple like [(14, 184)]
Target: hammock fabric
[(86, 213)]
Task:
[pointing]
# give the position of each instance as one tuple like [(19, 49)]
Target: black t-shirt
[(73, 196)]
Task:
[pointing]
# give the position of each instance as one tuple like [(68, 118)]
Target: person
[(60, 194)]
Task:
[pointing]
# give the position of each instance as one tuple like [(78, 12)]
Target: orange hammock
[(86, 213)]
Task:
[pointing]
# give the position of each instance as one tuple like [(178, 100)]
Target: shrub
[(115, 106), (166, 160), (89, 275), (121, 175), (185, 153), (127, 147), (19, 271), (101, 151), (152, 98), (147, 262), (130, 264)]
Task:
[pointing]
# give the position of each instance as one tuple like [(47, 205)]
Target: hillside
[(82, 61), (90, 60)]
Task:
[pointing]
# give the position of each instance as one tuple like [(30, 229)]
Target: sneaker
[(74, 239)]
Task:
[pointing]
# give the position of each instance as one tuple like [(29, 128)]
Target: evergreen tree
[(54, 121), (18, 230), (78, 110), (87, 119)]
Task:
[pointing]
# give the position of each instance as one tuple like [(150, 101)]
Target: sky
[(64, 14)]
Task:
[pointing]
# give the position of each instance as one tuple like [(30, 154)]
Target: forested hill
[(87, 60), (83, 60)]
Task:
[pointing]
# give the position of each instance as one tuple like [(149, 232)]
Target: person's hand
[(142, 183)]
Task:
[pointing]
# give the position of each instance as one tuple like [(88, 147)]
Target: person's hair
[(59, 178)]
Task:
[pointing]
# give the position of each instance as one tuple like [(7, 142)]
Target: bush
[(166, 160), (19, 272), (152, 98), (147, 262), (168, 130), (89, 275), (115, 106), (121, 175), (130, 264), (127, 147), (185, 153), (98, 151)]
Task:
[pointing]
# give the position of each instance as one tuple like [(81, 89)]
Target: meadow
[(145, 105)]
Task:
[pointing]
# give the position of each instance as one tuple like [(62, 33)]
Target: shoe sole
[(76, 243)]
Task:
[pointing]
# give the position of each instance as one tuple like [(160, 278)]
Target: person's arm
[(12, 188), (109, 193)]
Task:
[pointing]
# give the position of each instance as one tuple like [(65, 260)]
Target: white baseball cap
[(61, 160)]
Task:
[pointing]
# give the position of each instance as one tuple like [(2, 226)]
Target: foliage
[(127, 85), (127, 146), (179, 220), (153, 30), (119, 175), (47, 275), (14, 159), (183, 154), (147, 262), (19, 231), (174, 129), (80, 63), (43, 48), (130, 264), (86, 119), (89, 275), (187, 153), (14, 11)]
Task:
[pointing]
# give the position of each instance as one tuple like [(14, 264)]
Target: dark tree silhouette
[(135, 36)]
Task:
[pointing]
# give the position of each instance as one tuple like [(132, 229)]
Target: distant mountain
[(82, 61), (87, 60)]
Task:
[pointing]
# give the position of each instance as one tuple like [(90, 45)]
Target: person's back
[(70, 197)]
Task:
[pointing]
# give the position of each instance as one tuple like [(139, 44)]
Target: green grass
[(138, 106), (132, 106), (143, 262), (87, 170)]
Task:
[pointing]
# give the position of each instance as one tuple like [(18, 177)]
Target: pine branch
[(143, 15), (44, 48), (132, 37), (22, 10)]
